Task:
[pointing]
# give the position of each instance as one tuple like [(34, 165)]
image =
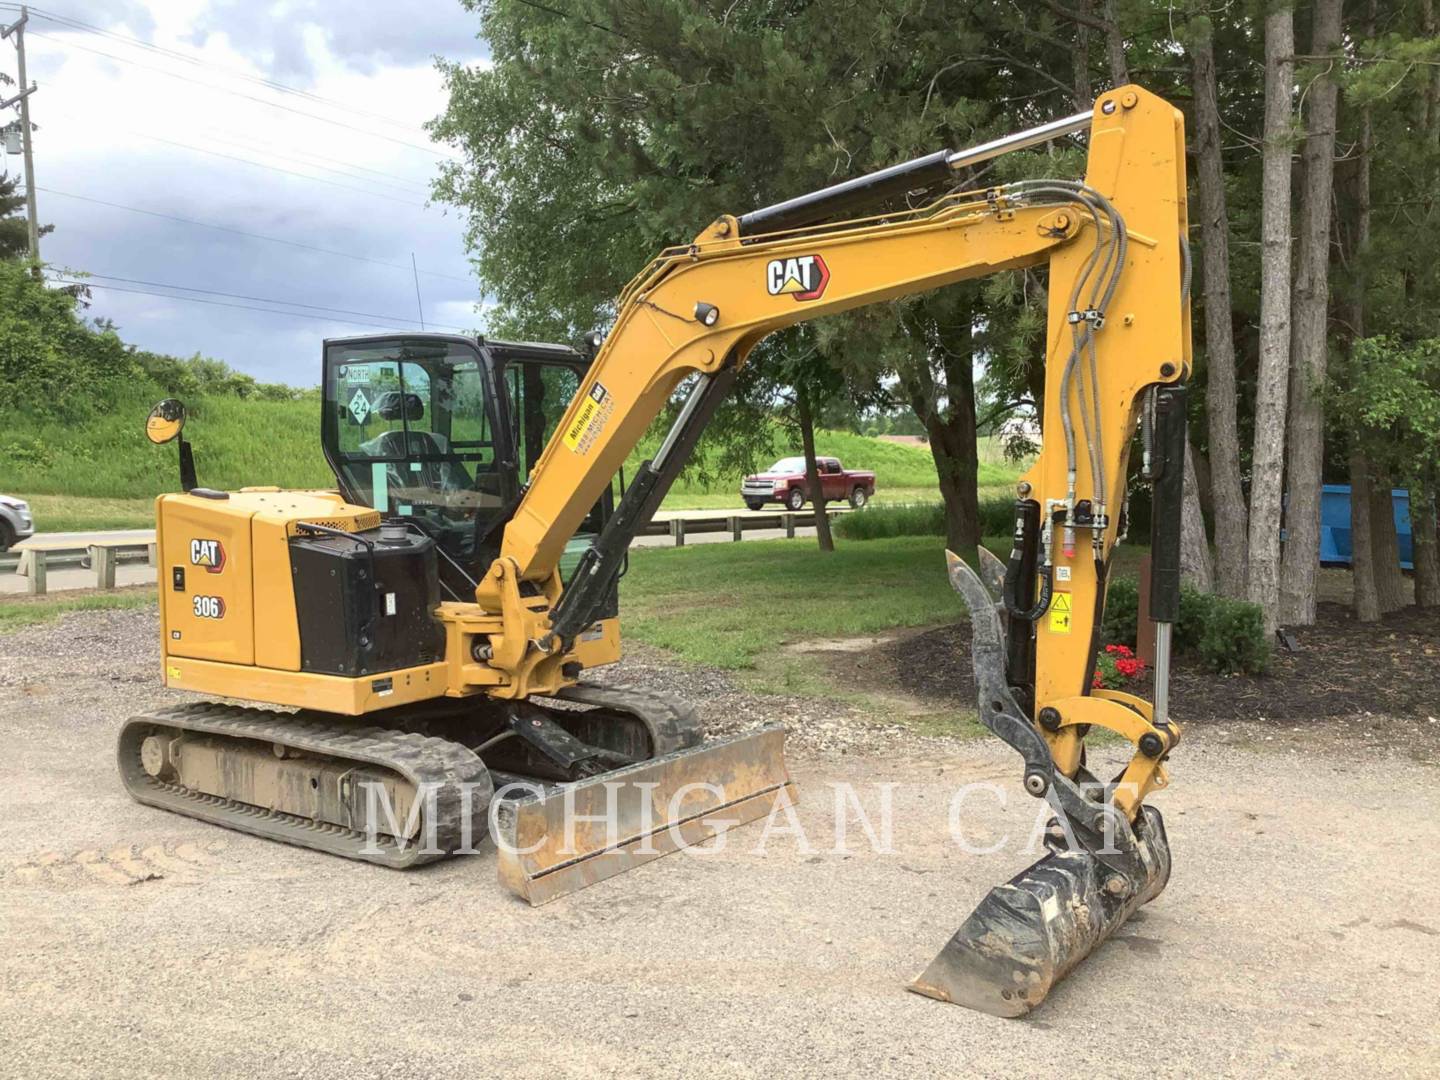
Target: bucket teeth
[(1027, 934)]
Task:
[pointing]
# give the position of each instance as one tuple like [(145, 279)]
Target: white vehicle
[(15, 522)]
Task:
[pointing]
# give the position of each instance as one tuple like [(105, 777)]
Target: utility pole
[(18, 29)]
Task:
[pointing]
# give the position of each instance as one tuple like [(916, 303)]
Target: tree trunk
[(1425, 502), (1430, 114), (1227, 493), (1115, 47), (1080, 61), (958, 470), (1194, 547), (1362, 558), (1427, 558), (812, 470), (1272, 386), (1390, 585), (951, 429), (1309, 330)]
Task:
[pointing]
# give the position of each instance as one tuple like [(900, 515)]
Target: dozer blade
[(1027, 934), (577, 834)]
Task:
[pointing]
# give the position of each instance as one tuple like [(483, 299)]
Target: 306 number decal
[(208, 607)]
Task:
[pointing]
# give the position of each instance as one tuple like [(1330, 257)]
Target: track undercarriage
[(416, 784)]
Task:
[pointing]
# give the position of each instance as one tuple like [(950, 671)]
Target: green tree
[(14, 235), (606, 131), (51, 362)]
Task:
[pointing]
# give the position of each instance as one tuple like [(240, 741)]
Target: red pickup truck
[(784, 482)]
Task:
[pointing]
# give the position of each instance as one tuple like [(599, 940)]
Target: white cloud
[(102, 125)]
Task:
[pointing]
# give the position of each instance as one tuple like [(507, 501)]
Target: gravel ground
[(1298, 933)]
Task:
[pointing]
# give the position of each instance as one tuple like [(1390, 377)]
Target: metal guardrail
[(701, 521), (34, 559), (57, 558), (34, 562)]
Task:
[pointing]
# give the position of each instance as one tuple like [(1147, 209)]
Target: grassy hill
[(104, 473)]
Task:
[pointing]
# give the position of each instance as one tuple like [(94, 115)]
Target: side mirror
[(165, 422)]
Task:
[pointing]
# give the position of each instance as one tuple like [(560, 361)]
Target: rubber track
[(673, 723), (420, 759)]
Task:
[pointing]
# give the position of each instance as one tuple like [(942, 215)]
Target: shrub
[(997, 517), (876, 522), (883, 522), (1195, 608), (1234, 639), (1122, 612), (1227, 635)]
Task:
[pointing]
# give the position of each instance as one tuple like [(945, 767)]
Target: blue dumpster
[(1335, 548)]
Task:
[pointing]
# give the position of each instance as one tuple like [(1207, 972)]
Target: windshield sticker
[(590, 421), (359, 406), (380, 481)]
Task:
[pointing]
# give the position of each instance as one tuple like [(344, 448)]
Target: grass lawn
[(729, 604), (16, 611), (105, 476), (87, 513)]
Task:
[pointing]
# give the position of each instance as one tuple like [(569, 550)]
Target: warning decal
[(590, 421), (1060, 613)]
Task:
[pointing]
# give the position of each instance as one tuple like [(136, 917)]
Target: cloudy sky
[(203, 139)]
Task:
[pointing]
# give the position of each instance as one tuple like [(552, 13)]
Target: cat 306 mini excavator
[(434, 618)]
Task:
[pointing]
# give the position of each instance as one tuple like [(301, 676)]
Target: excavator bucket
[(567, 837), (1027, 934)]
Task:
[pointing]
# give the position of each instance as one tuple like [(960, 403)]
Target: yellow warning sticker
[(590, 420), (172, 671), (1060, 613)]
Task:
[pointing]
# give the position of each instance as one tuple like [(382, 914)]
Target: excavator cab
[(445, 431)]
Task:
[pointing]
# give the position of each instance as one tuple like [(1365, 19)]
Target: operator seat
[(442, 472)]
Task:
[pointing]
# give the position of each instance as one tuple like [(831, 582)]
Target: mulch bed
[(1342, 669)]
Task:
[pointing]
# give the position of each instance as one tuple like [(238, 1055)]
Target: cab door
[(538, 392)]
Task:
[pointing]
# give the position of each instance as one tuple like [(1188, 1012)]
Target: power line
[(248, 97), (259, 299), (265, 165), (222, 303), (250, 235), (385, 179), (77, 24)]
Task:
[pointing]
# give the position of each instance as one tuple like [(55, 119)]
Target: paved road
[(124, 536)]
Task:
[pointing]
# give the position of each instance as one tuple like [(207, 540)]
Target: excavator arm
[(1117, 352)]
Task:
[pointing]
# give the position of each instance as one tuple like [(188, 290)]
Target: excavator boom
[(1117, 352)]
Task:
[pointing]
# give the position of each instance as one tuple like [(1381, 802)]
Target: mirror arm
[(187, 466)]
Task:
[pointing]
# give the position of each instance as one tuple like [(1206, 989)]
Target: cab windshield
[(413, 430)]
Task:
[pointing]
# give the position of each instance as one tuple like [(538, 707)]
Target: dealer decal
[(803, 277), (208, 553), (590, 421)]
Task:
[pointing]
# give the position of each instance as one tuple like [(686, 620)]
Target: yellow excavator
[(431, 622)]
